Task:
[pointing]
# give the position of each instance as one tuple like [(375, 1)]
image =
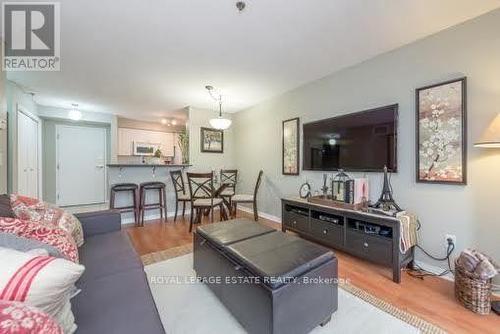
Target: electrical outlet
[(452, 237)]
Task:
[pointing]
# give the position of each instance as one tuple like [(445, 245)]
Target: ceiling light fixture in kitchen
[(74, 114)]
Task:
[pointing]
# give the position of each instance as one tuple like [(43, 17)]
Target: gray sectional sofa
[(115, 295)]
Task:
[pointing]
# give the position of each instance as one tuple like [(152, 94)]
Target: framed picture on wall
[(211, 140), (441, 133), (290, 154)]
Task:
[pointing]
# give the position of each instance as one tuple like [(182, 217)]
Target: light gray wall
[(470, 212), (205, 162)]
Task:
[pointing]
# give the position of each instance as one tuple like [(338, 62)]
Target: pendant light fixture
[(219, 123)]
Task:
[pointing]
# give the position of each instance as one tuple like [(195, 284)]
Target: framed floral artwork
[(290, 156), (441, 133)]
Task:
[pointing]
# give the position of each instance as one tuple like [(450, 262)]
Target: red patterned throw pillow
[(32, 209), (51, 235), (18, 318)]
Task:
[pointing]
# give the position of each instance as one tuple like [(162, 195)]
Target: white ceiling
[(146, 58)]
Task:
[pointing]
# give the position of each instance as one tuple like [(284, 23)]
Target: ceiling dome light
[(74, 114), (174, 122), (164, 121), (219, 123)]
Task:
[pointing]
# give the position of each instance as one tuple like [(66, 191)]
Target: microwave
[(145, 149)]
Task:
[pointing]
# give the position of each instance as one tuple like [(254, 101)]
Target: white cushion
[(227, 192), (47, 283), (207, 202), (184, 197), (242, 198)]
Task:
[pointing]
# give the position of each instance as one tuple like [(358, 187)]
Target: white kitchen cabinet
[(127, 137)]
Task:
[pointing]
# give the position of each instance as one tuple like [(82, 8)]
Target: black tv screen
[(362, 141)]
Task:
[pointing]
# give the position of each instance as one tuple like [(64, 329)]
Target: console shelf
[(369, 236)]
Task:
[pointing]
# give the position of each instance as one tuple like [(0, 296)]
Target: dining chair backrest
[(229, 177), (201, 185), (178, 181), (257, 184)]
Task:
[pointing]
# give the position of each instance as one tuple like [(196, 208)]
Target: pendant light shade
[(219, 123), (491, 136)]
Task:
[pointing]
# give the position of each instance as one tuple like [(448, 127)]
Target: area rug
[(186, 306)]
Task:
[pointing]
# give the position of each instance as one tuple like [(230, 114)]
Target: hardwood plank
[(431, 298)]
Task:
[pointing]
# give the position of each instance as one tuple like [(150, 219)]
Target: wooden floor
[(431, 299)]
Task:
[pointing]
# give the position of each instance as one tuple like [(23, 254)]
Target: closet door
[(22, 154), (27, 155), (33, 159)]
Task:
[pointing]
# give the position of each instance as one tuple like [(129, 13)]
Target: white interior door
[(81, 165), (27, 157)]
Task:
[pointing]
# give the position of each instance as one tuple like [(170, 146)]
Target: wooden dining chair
[(201, 190), (181, 196), (243, 198), (228, 177)]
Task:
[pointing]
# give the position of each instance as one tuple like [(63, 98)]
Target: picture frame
[(441, 133), (290, 146), (211, 140)]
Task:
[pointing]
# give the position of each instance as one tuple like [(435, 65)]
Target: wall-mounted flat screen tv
[(365, 141)]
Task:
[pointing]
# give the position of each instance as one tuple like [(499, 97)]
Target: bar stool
[(162, 199), (125, 187)]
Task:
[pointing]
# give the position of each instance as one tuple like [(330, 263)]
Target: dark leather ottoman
[(270, 281)]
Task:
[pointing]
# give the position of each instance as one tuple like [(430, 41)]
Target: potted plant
[(183, 142), (157, 157)]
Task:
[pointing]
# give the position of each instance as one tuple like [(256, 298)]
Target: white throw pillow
[(41, 281)]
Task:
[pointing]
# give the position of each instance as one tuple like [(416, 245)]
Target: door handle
[(100, 166)]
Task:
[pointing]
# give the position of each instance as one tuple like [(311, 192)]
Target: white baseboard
[(435, 270), (128, 218), (261, 214), (148, 218)]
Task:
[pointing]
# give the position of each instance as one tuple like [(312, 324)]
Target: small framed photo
[(212, 141), (441, 133), (290, 154)]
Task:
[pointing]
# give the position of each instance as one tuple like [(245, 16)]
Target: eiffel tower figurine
[(386, 202)]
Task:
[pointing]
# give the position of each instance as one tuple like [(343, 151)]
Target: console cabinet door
[(296, 222), (329, 233), (373, 248)]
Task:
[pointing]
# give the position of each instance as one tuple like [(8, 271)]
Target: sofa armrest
[(100, 222)]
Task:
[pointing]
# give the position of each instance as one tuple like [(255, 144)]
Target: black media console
[(369, 236)]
